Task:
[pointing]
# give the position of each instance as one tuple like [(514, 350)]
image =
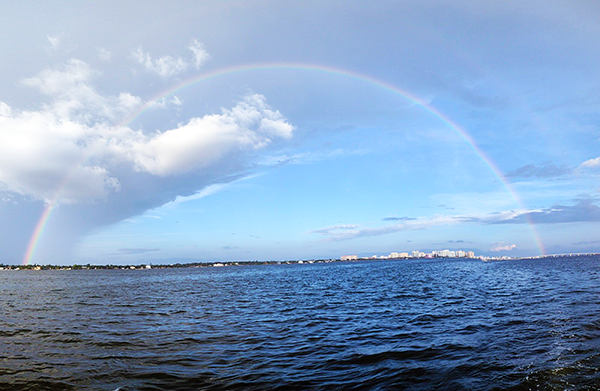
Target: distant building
[(470, 254), (349, 257), (394, 255)]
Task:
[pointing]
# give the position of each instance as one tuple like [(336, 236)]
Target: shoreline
[(149, 266)]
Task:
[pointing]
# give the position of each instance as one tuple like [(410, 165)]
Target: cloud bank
[(70, 151), (584, 210)]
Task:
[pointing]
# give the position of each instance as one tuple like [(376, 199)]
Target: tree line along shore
[(146, 266)]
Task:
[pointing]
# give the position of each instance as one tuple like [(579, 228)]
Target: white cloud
[(165, 66), (168, 66), (591, 163), (250, 125), (353, 231), (584, 210), (69, 150), (63, 79), (104, 54), (55, 40), (5, 110), (200, 55), (335, 229), (208, 190), (163, 102), (46, 157), (176, 101), (74, 96), (503, 247), (310, 157), (562, 213)]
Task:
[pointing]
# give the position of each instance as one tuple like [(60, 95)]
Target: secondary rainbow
[(224, 72)]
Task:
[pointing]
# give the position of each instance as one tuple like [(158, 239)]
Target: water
[(414, 325)]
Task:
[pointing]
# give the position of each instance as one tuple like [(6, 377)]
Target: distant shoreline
[(148, 266)]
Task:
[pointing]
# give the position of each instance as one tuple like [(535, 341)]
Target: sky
[(148, 132)]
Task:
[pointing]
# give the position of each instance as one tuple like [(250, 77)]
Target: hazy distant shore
[(147, 266)]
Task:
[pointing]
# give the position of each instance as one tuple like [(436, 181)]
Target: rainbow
[(223, 72), (37, 232)]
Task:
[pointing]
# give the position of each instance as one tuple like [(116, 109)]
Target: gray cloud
[(583, 210), (393, 218), (334, 229), (585, 243), (129, 251), (543, 171), (353, 231)]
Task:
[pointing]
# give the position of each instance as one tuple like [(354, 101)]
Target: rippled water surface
[(415, 325)]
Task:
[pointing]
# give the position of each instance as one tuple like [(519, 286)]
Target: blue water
[(406, 324)]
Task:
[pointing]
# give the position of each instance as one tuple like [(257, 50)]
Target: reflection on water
[(416, 324)]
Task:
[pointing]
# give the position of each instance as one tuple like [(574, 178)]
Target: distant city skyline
[(230, 131)]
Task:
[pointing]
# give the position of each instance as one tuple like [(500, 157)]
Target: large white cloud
[(48, 157), (250, 125), (69, 150)]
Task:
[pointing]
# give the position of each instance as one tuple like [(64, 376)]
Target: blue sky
[(291, 162)]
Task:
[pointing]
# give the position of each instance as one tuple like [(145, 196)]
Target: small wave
[(403, 355)]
